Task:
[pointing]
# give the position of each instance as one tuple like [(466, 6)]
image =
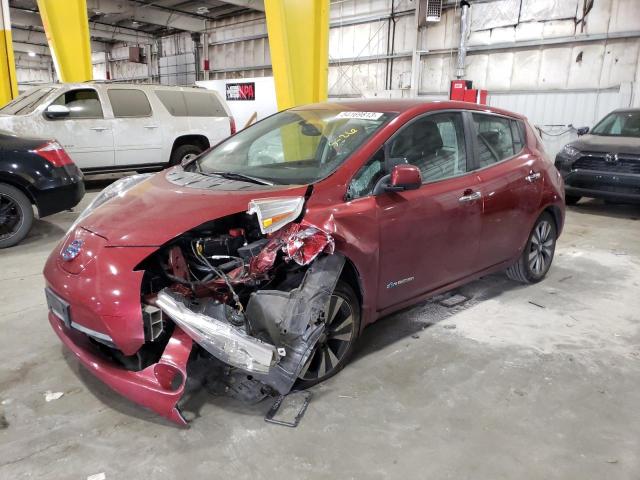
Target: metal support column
[(299, 43), (67, 28), (8, 81)]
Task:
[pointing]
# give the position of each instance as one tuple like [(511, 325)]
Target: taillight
[(232, 124), (53, 153)]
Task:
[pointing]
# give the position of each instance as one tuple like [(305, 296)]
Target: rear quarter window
[(173, 101), (191, 104), (203, 104)]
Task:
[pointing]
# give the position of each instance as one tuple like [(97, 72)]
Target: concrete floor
[(518, 382)]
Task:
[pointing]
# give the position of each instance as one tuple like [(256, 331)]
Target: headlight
[(570, 152), (116, 189), (275, 213)]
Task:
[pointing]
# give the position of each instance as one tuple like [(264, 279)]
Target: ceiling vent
[(433, 10)]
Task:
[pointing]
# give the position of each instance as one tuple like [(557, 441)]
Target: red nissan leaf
[(265, 257)]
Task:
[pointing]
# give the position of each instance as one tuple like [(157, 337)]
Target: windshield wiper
[(239, 176)]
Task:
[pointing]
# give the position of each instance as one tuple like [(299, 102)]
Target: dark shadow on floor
[(629, 211), (413, 320)]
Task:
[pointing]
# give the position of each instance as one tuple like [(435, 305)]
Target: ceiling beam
[(252, 4), (122, 10), (36, 38), (29, 19)]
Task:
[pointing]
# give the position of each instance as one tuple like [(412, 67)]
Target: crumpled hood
[(157, 210), (604, 144)]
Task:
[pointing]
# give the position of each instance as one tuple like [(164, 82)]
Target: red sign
[(241, 91)]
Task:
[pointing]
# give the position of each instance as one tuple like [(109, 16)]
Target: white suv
[(114, 127)]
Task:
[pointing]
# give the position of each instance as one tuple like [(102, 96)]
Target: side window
[(367, 177), (191, 104), (82, 103), (203, 104), (173, 101), (495, 139), (128, 103), (435, 144)]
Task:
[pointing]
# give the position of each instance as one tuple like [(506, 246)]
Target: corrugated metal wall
[(543, 58), (552, 111)]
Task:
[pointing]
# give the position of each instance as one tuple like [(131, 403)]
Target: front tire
[(16, 216), (184, 153), (335, 347), (537, 256)]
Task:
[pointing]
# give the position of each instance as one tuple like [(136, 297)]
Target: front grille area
[(598, 163)]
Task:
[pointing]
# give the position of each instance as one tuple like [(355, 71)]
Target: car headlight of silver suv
[(116, 189)]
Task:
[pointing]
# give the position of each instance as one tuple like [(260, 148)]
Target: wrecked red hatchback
[(264, 258)]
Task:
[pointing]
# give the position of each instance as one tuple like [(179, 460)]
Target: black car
[(606, 162), (34, 172)]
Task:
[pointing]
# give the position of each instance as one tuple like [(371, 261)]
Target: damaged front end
[(251, 290)]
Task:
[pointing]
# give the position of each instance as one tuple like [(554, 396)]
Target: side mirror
[(404, 177), (57, 111), (583, 131)]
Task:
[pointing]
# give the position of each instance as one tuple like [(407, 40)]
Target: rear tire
[(16, 215), (335, 347), (571, 199), (183, 153), (537, 256)]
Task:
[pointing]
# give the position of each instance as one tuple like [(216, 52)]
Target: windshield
[(294, 146), (25, 103), (619, 124)]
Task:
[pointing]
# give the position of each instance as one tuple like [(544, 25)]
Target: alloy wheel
[(541, 248), (334, 343), (10, 217)]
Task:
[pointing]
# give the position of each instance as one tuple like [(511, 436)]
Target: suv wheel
[(16, 215), (184, 153), (534, 263), (333, 350)]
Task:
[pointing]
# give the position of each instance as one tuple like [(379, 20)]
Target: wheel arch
[(556, 214), (193, 139), (14, 182), (351, 276)]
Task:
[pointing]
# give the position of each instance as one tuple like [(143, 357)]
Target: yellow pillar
[(299, 43), (8, 81), (67, 27)]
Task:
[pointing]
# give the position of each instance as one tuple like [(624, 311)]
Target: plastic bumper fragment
[(158, 387), (222, 340)]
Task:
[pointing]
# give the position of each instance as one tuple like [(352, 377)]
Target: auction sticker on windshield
[(360, 115)]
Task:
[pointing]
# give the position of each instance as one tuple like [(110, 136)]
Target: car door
[(429, 236), (510, 184), (84, 133), (137, 134)]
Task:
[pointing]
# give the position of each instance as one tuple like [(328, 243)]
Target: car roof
[(625, 110), (93, 83), (403, 105)]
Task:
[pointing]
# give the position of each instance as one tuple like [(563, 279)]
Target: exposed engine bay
[(252, 294)]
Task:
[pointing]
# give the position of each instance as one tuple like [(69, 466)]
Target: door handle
[(98, 129), (470, 197), (151, 126), (533, 176)]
